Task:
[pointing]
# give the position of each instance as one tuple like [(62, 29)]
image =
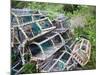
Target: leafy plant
[(29, 68)]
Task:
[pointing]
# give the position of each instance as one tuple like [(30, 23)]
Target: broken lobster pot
[(81, 51), (44, 47)]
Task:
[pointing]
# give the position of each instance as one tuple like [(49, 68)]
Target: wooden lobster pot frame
[(81, 51), (44, 47)]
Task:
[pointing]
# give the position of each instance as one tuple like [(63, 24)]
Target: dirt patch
[(77, 21)]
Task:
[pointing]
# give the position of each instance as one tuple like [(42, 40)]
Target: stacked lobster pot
[(34, 37), (26, 26)]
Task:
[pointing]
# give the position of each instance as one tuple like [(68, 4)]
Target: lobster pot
[(61, 63), (45, 23), (81, 51), (48, 65), (65, 57), (66, 35), (57, 24), (16, 20), (66, 23), (34, 28), (59, 66), (53, 44), (24, 16), (24, 19), (47, 45), (58, 62), (31, 29), (34, 49), (62, 22), (22, 11)]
